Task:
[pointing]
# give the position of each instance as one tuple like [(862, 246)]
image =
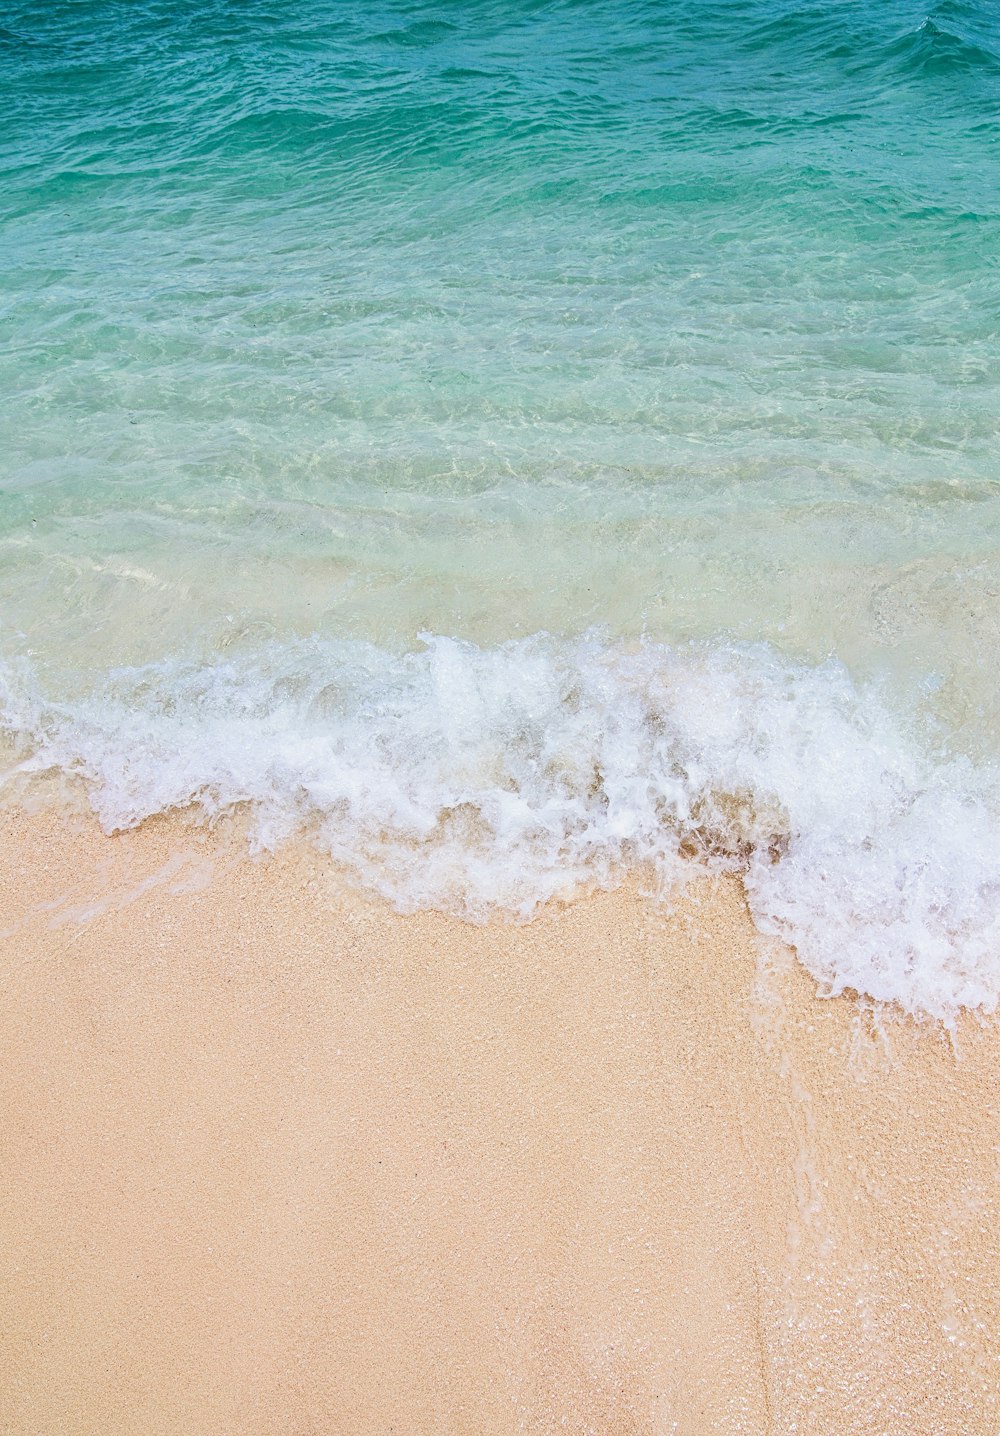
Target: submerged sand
[(278, 1160)]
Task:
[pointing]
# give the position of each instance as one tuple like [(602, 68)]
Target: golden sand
[(279, 1161)]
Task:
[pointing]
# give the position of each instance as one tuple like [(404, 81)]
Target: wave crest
[(490, 780)]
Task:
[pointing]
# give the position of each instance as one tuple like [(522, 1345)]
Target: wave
[(486, 781), (934, 49), (940, 46)]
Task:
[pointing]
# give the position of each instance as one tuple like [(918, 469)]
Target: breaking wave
[(487, 781)]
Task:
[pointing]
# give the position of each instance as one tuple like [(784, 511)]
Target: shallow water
[(328, 328)]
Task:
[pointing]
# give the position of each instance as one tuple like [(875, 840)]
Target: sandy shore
[(277, 1160)]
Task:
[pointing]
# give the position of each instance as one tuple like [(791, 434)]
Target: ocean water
[(517, 444)]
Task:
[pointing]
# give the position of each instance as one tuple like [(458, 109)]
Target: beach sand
[(278, 1160)]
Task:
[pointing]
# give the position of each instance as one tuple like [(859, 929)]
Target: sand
[(277, 1160)]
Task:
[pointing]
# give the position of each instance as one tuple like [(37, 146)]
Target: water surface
[(347, 349)]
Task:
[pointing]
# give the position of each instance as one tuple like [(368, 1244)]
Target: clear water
[(516, 443)]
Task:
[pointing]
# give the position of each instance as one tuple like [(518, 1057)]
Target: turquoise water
[(516, 443)]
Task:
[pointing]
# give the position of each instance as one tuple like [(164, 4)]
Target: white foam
[(478, 780)]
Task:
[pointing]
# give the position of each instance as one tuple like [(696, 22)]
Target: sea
[(518, 447)]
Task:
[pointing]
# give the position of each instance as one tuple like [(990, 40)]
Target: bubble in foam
[(489, 780)]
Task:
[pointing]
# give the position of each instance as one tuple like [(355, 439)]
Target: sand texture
[(279, 1161)]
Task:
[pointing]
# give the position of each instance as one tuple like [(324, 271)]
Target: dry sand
[(279, 1161)]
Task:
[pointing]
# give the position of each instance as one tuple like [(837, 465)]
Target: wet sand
[(278, 1160)]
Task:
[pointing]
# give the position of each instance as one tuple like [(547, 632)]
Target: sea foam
[(486, 781)]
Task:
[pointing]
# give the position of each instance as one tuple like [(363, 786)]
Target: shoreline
[(279, 1158)]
